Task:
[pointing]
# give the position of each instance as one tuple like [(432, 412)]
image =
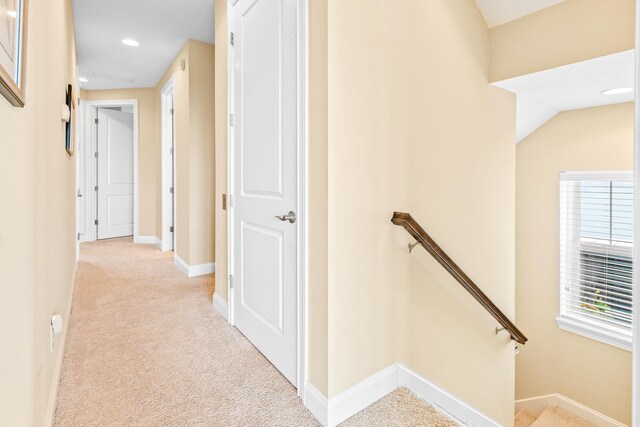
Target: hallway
[(145, 347)]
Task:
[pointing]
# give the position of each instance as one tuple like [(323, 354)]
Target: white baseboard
[(49, 416), (316, 403), (194, 270), (158, 243), (538, 404), (220, 305), (348, 403), (440, 398), (202, 269), (145, 240)]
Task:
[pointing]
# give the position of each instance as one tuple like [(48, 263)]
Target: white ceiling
[(498, 12), (542, 95), (161, 26)]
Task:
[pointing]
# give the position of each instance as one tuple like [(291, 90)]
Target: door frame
[(90, 139), (302, 177), (167, 207), (635, 393)]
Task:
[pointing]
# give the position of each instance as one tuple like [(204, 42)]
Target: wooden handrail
[(408, 223)]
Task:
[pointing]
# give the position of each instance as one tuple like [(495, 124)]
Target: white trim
[(303, 140), (303, 167), (333, 411), (598, 333), (159, 243), (166, 206), (360, 396), (194, 270), (537, 405), (220, 305), (57, 368), (316, 403), (230, 109), (90, 136), (202, 269), (145, 240), (636, 238), (446, 402), (182, 266)]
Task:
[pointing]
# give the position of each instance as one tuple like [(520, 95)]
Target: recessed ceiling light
[(83, 79), (131, 42), (12, 13), (617, 91)]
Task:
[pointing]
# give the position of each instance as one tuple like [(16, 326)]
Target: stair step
[(524, 418), (556, 417)]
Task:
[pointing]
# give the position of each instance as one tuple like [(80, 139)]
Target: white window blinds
[(596, 243)]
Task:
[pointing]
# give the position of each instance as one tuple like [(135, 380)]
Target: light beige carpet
[(400, 408), (556, 417), (146, 348)]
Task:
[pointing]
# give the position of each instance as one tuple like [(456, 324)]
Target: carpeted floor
[(145, 348), (400, 408)]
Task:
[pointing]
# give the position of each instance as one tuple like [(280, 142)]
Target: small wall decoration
[(71, 123), (13, 50)]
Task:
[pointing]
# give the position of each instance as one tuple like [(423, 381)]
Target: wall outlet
[(56, 328)]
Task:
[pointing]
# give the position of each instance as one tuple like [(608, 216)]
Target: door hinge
[(79, 234), (231, 120), (96, 155), (171, 111), (171, 190), (231, 281), (171, 151), (96, 188), (96, 222), (96, 121), (232, 39), (171, 229), (224, 202)]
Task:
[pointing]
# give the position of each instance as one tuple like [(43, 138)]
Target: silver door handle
[(291, 217)]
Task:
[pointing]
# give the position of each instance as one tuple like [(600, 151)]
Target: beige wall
[(194, 106), (149, 219), (572, 31), (555, 361), (221, 123), (317, 197), (201, 139), (420, 131), (194, 144), (37, 252)]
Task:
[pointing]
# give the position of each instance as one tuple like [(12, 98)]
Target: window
[(596, 267)]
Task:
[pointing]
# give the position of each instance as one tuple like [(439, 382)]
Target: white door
[(80, 172), (168, 235), (115, 173), (265, 179)]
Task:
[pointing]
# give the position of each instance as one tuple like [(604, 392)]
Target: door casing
[(302, 108), (168, 205), (89, 142)]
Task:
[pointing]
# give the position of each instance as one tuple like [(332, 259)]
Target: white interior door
[(265, 179), (115, 173), (168, 165)]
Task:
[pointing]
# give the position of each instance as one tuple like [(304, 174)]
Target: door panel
[(115, 173), (265, 179)]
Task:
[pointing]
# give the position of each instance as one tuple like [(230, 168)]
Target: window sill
[(610, 337)]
